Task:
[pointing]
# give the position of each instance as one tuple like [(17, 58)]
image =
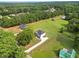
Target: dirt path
[(15, 29)]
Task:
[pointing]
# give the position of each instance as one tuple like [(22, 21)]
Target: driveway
[(36, 45)]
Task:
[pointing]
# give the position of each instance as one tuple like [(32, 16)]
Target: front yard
[(49, 48)]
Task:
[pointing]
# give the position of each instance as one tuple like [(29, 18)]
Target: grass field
[(49, 48)]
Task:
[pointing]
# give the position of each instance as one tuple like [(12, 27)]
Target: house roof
[(22, 26), (39, 33)]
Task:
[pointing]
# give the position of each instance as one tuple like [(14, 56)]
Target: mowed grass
[(52, 45)]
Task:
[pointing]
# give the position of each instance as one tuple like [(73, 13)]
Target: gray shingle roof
[(39, 33)]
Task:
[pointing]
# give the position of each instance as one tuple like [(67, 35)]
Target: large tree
[(9, 47), (25, 37), (73, 27)]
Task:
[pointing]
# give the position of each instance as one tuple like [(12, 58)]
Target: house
[(40, 34), (22, 26), (63, 17), (50, 10)]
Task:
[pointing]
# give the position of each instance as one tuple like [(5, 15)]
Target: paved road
[(33, 47)]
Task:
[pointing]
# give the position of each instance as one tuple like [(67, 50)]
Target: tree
[(19, 53), (61, 30), (25, 37), (76, 42), (68, 16), (9, 47), (73, 27)]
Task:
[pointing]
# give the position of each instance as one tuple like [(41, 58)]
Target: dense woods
[(16, 14), (26, 13)]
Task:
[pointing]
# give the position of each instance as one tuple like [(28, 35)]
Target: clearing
[(52, 45)]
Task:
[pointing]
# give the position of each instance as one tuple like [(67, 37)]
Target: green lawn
[(49, 48)]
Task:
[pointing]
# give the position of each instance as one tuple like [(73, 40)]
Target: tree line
[(9, 21)]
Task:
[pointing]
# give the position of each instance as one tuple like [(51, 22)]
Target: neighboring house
[(40, 34), (63, 17), (22, 26), (50, 10)]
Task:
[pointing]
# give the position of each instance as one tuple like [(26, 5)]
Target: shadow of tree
[(65, 41)]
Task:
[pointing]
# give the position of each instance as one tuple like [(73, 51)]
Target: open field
[(50, 47)]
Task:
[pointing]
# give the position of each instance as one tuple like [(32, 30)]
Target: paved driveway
[(36, 45)]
